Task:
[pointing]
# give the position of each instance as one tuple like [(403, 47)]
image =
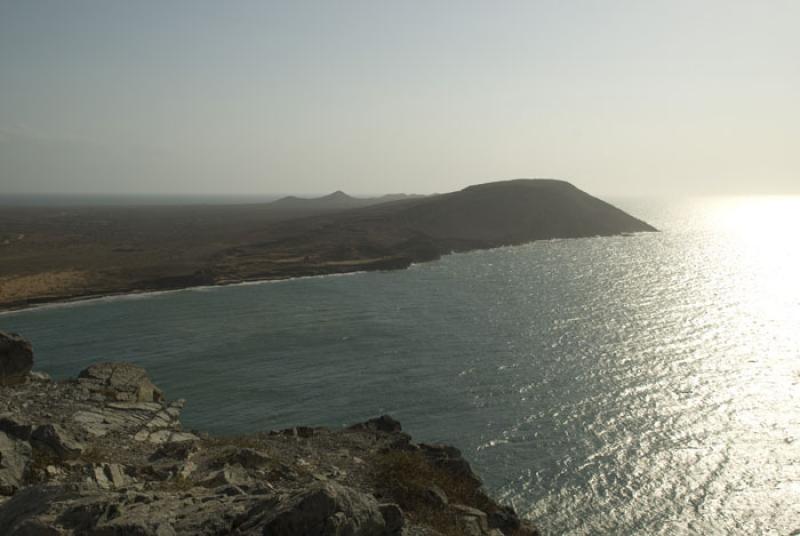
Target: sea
[(641, 384)]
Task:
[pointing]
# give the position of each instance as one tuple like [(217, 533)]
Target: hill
[(337, 200)]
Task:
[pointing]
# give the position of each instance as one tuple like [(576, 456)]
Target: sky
[(193, 97)]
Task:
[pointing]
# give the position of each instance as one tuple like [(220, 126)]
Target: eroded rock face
[(106, 455), (56, 441), (16, 359), (122, 382), (15, 455)]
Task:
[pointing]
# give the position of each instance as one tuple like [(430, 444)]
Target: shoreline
[(401, 263), (79, 299)]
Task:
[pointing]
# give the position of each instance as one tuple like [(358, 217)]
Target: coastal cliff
[(105, 454)]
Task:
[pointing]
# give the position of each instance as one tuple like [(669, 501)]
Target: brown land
[(60, 253)]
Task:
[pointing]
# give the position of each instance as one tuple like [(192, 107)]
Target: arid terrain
[(59, 253), (105, 454)]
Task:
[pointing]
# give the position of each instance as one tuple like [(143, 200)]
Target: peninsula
[(61, 253)]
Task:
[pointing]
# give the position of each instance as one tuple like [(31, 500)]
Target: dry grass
[(406, 478), (96, 455), (41, 284), (177, 484), (242, 441)]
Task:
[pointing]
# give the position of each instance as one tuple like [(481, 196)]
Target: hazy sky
[(633, 97)]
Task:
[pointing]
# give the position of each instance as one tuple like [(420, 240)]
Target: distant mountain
[(408, 230), (337, 200)]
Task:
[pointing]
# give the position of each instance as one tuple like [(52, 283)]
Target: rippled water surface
[(628, 385)]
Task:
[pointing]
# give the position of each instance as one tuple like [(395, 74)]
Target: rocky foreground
[(105, 454)]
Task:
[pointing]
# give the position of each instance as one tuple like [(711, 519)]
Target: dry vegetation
[(406, 477)]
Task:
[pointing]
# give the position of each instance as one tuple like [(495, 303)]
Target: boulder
[(122, 382), (20, 514), (16, 359), (329, 509), (109, 475), (230, 475), (35, 527), (471, 521), (393, 518), (250, 459), (450, 459), (505, 519), (15, 426), (104, 514), (55, 440), (436, 497), (384, 423), (15, 455)]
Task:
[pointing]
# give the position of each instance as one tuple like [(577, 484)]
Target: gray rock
[(384, 423), (15, 455), (109, 475), (57, 441), (393, 518), (23, 509), (230, 475), (16, 359), (15, 426), (471, 521), (108, 515), (35, 527), (250, 458), (505, 519), (450, 459), (176, 451), (41, 377), (123, 382), (329, 509), (436, 496)]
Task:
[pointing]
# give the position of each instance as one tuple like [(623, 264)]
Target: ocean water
[(647, 384)]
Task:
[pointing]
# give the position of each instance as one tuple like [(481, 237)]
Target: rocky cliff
[(105, 454)]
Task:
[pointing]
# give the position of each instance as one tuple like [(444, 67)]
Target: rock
[(450, 459), (106, 515), (35, 527), (123, 382), (109, 475), (177, 451), (57, 441), (248, 458), (230, 475), (327, 510), (436, 496), (15, 426), (16, 359), (251, 458), (472, 521), (15, 455), (393, 518), (41, 377), (504, 519), (19, 514), (384, 423)]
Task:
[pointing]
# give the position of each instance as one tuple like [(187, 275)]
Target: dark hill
[(396, 234), (517, 211), (335, 201)]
